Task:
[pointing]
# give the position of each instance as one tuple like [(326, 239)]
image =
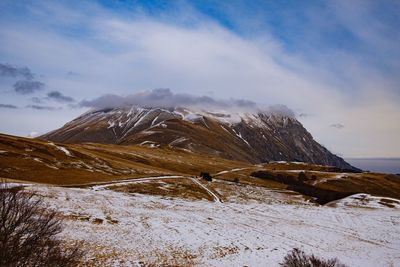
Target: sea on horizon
[(385, 165)]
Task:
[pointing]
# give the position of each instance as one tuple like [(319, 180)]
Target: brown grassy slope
[(40, 161), (299, 166), (43, 162), (378, 184), (204, 136), (172, 188)]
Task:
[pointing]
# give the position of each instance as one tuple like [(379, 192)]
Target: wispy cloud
[(25, 79), (28, 87), (37, 100), (58, 96), (39, 107), (337, 126), (8, 106), (7, 70), (73, 74)]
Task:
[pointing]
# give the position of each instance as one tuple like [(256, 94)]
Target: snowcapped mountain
[(254, 137)]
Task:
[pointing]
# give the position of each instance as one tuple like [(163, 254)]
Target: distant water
[(386, 165)]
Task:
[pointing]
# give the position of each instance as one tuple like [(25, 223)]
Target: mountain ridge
[(255, 137)]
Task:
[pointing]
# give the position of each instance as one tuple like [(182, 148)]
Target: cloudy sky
[(336, 63)]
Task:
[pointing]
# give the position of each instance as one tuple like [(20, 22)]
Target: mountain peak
[(257, 137)]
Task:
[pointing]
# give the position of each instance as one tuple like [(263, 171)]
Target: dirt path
[(229, 171), (211, 193), (138, 180), (135, 180)]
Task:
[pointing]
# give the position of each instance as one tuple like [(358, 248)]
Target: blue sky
[(334, 63)]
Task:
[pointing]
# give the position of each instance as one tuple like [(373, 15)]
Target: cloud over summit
[(165, 98)]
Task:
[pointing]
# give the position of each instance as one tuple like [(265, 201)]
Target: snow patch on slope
[(110, 124), (238, 134), (178, 141), (368, 201), (63, 149)]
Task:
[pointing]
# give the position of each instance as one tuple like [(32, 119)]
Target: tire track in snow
[(254, 214)]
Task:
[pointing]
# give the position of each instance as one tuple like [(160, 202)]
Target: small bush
[(236, 180), (297, 258), (28, 232), (302, 177), (206, 176)]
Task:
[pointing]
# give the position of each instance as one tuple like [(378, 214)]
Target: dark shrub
[(236, 180), (297, 258), (206, 176), (322, 196), (302, 177), (28, 232)]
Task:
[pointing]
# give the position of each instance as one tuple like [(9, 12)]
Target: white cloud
[(121, 55), (33, 135)]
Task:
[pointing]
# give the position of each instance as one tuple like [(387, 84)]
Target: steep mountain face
[(250, 137)]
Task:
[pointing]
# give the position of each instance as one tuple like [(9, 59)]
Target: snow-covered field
[(133, 230)]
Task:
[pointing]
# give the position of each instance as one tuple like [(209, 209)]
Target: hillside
[(31, 160), (253, 137), (138, 205), (66, 164), (127, 228)]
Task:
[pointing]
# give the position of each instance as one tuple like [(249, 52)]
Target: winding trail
[(104, 185), (138, 180), (229, 171), (211, 193), (135, 180)]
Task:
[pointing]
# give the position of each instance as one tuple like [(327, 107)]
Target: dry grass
[(220, 252), (295, 166), (32, 160), (29, 232), (183, 188), (242, 193), (39, 161), (297, 258), (328, 186), (168, 256), (385, 185)]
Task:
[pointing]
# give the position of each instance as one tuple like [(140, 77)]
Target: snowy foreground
[(133, 230)]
